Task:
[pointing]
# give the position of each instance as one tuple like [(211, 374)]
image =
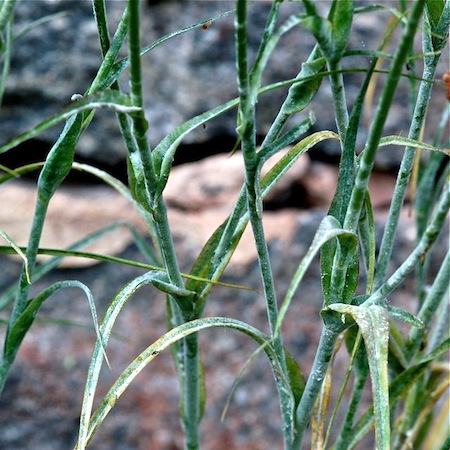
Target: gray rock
[(40, 405), (182, 78)]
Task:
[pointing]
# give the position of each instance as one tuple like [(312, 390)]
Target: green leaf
[(442, 29), (366, 229), (328, 229), (296, 379), (89, 427), (404, 316), (407, 142), (39, 22), (164, 153), (203, 264), (19, 251), (268, 46), (302, 92), (360, 363), (331, 34), (341, 18), (339, 267), (438, 351), (321, 29), (108, 321), (59, 160), (434, 10), (111, 100), (123, 64), (19, 329), (374, 325), (291, 157), (285, 140)]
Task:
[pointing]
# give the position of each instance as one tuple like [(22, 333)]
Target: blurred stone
[(183, 77), (216, 181), (199, 197), (73, 214), (40, 405)]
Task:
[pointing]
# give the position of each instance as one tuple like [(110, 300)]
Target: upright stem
[(247, 133), (429, 308), (426, 242), (352, 408), (321, 362), (404, 173), (369, 153), (190, 373), (339, 100)]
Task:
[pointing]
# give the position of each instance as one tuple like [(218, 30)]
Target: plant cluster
[(405, 371)]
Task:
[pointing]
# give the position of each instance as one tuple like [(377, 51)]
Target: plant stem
[(190, 375), (6, 58), (247, 132), (428, 239), (401, 185), (369, 153), (322, 360), (357, 392), (428, 310)]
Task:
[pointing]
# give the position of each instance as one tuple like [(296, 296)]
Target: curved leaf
[(328, 229), (88, 428), (374, 325), (123, 64), (19, 251), (112, 100), (164, 152), (20, 327), (407, 142), (108, 321)]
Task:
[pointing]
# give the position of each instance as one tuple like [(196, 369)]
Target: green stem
[(6, 58), (428, 310), (190, 374), (376, 130), (429, 237), (191, 400), (441, 331), (322, 360), (140, 126), (247, 132), (111, 54), (102, 24), (357, 392), (401, 185)]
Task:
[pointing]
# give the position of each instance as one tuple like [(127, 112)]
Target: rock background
[(181, 76), (41, 402), (40, 406)]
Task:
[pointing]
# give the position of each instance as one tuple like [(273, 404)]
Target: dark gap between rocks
[(35, 150)]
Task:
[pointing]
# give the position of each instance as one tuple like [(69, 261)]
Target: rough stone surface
[(182, 78), (40, 406), (41, 401)]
